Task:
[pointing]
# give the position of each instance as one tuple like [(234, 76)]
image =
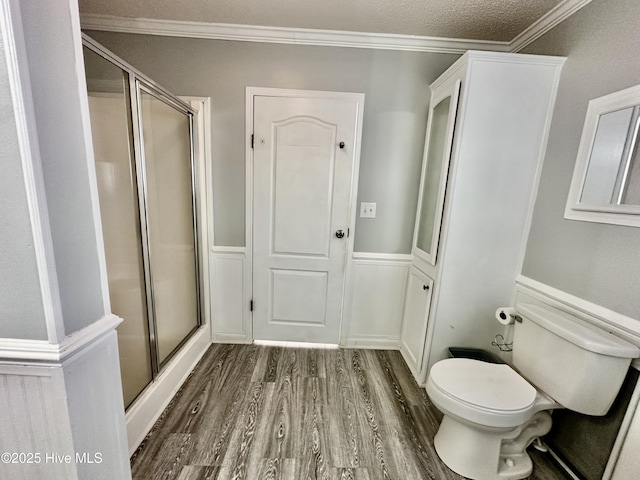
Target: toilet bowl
[(492, 412), (487, 407)]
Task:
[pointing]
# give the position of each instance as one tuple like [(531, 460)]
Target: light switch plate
[(367, 210)]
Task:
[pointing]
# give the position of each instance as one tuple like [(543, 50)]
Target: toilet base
[(482, 453)]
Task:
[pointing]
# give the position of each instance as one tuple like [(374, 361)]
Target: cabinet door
[(416, 316), (435, 168)]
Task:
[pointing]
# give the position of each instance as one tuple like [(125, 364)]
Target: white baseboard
[(144, 412), (231, 338), (375, 342)]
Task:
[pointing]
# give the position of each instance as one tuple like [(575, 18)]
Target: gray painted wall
[(21, 309), (57, 105), (597, 262), (395, 116)]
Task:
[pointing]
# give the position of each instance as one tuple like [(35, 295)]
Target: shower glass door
[(144, 156), (108, 90), (168, 164)]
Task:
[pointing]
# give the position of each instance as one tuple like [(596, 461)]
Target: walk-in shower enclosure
[(143, 140)]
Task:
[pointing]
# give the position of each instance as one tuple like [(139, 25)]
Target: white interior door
[(304, 161)]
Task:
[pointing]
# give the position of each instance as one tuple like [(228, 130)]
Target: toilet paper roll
[(506, 315)]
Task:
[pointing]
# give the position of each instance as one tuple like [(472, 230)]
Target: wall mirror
[(606, 181)]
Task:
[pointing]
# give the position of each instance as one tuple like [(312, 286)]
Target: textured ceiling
[(500, 20)]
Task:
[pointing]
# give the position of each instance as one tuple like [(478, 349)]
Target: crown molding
[(294, 36), (328, 38), (553, 17)]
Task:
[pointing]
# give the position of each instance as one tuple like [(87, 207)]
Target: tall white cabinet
[(489, 118)]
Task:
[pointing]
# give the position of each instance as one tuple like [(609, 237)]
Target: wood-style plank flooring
[(254, 412)]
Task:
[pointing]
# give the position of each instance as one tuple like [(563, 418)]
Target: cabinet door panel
[(433, 183), (416, 315)]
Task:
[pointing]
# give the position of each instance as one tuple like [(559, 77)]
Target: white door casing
[(304, 166)]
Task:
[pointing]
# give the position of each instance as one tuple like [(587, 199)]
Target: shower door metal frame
[(137, 87), (138, 82)]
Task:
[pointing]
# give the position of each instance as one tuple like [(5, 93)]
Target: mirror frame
[(616, 214)]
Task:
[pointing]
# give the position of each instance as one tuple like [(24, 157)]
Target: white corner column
[(61, 407)]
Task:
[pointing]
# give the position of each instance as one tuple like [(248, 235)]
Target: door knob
[(340, 233)]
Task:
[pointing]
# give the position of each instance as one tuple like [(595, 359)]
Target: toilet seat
[(488, 394)]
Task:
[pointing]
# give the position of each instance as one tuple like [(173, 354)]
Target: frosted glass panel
[(170, 222), (110, 129), (435, 159)]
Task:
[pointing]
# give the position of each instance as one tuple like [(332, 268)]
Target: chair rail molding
[(602, 317), (43, 352)]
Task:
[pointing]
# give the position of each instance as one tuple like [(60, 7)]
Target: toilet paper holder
[(502, 344), (508, 315)]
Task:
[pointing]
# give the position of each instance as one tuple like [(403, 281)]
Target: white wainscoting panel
[(33, 422), (94, 399), (54, 406), (231, 320), (374, 300)]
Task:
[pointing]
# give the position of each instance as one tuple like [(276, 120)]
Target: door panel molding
[(252, 92)]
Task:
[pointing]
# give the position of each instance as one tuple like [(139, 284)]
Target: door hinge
[(252, 140), (251, 305)]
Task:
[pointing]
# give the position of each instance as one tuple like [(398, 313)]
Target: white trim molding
[(619, 324), (229, 250), (329, 38), (397, 258), (204, 198), (21, 96), (553, 17), (613, 210), (252, 92), (59, 408), (293, 36), (43, 352), (148, 407)]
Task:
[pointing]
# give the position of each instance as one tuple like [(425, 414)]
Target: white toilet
[(492, 412)]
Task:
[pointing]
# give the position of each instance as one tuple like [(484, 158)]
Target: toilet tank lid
[(578, 331)]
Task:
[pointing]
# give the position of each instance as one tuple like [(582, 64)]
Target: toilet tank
[(577, 364)]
